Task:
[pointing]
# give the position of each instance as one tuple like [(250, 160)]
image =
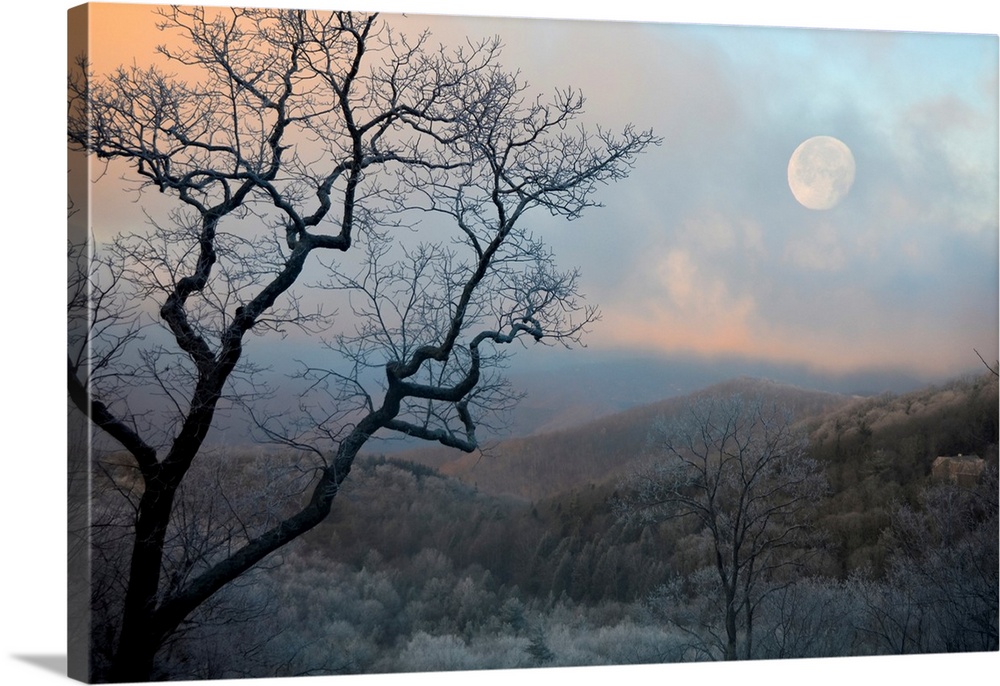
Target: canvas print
[(403, 343)]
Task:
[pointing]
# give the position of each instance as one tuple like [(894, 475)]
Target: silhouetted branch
[(994, 369)]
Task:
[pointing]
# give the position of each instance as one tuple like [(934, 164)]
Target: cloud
[(696, 295), (686, 306), (818, 249)]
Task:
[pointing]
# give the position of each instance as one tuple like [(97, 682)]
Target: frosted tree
[(736, 467)]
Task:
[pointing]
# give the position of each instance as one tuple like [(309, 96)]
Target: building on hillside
[(963, 470)]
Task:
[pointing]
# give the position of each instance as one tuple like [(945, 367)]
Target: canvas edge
[(78, 562)]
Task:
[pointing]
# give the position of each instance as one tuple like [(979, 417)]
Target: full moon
[(821, 172)]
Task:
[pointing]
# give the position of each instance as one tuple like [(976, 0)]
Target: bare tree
[(302, 133), (737, 467)]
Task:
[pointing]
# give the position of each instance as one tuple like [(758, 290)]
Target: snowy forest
[(420, 571)]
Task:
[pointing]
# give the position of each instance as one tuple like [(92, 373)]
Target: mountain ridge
[(540, 464)]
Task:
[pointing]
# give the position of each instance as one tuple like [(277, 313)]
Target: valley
[(523, 555)]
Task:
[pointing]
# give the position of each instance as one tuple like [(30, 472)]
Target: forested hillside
[(524, 558), (879, 452), (599, 451)]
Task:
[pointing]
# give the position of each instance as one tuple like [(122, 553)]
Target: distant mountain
[(569, 388), (550, 462)]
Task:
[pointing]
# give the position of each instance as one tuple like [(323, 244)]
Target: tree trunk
[(134, 659), (731, 613), (138, 641), (748, 613)]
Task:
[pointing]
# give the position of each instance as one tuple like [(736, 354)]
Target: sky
[(704, 250)]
